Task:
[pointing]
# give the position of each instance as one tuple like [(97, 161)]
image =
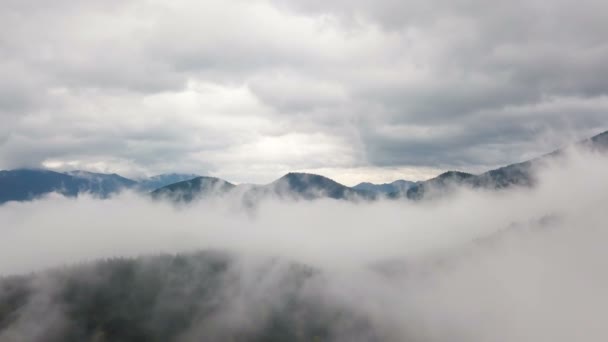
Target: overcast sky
[(247, 90)]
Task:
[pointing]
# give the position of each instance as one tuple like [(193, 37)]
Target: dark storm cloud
[(215, 85)]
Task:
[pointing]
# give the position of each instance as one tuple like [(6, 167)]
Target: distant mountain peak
[(302, 181), (174, 174), (29, 184), (162, 180), (455, 174), (310, 186), (304, 177), (188, 190), (393, 189), (518, 174)]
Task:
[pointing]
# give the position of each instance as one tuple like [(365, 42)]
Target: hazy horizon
[(337, 176)]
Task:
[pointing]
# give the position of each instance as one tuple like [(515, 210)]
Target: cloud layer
[(247, 90)]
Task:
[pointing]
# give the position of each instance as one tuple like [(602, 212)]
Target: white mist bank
[(58, 230), (515, 265)]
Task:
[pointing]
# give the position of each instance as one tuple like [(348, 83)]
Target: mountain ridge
[(188, 190), (398, 186), (29, 184), (517, 174), (293, 185)]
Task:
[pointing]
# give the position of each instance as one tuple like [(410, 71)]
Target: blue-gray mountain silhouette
[(159, 181), (519, 174), (26, 184), (293, 186), (29, 184), (103, 184), (311, 186), (389, 189), (189, 190)]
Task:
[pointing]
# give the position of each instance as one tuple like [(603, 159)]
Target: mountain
[(439, 185), (188, 190), (159, 181), (28, 184), (311, 186), (519, 174), (103, 184), (292, 185), (391, 189), (598, 142)]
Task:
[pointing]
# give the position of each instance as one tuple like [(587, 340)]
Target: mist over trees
[(171, 297)]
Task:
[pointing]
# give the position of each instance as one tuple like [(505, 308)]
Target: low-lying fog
[(514, 265)]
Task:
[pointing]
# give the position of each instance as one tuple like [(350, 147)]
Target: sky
[(249, 90)]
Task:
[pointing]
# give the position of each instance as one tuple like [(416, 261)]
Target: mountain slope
[(159, 181), (188, 190), (598, 142), (519, 174), (103, 184), (292, 185), (439, 185), (396, 187), (28, 184), (311, 186)]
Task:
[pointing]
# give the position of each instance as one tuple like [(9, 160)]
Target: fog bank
[(516, 265)]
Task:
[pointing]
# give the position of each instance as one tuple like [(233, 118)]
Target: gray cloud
[(222, 86)]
